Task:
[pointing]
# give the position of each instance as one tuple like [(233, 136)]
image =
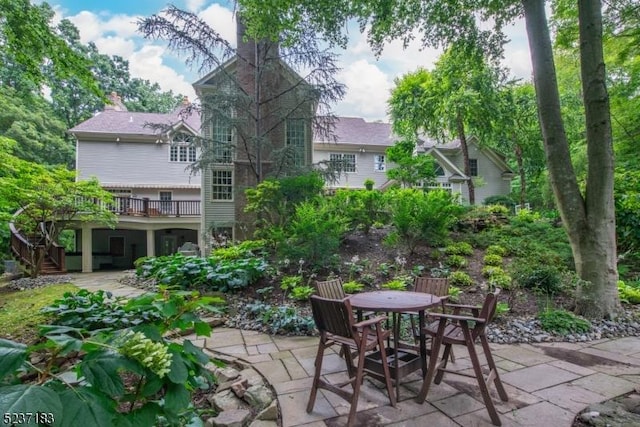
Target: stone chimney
[(114, 103), (247, 52)]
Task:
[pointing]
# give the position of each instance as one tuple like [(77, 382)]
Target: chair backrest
[(331, 289), (438, 286), (487, 312), (333, 316)]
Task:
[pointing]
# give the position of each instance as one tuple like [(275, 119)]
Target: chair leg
[(356, 389), (433, 365), (385, 369), (484, 390), (443, 363), (316, 376), (493, 370)]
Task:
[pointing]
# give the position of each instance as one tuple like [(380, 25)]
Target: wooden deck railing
[(151, 208)]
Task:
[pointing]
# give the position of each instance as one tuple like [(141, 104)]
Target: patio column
[(151, 243), (87, 248)]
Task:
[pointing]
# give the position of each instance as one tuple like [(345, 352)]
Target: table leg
[(423, 343), (396, 345)]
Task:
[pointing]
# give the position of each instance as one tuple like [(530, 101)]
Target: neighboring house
[(361, 146), (156, 197)]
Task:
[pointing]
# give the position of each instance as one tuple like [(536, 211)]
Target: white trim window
[(222, 135), (473, 167), (295, 137), (222, 184), (181, 149), (343, 162), (379, 163)]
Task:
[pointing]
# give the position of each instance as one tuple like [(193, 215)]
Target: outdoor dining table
[(401, 361)]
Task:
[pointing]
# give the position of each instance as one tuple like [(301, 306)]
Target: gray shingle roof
[(130, 123)]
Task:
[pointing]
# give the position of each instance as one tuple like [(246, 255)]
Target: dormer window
[(181, 149), (438, 170)]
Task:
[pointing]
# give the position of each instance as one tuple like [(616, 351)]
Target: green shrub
[(281, 319), (540, 277), (494, 260), (202, 273), (352, 287), (502, 200), (498, 209), (420, 217), (288, 283), (502, 308), (460, 278), (362, 209), (496, 250), (455, 261), (245, 249), (491, 270), (629, 294), (314, 234), (302, 293), (562, 322), (396, 285), (459, 248), (454, 293), (500, 280)]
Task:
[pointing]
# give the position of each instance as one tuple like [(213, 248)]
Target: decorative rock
[(230, 418), (226, 374), (258, 396), (252, 376), (240, 387), (270, 413), (588, 416), (226, 401)]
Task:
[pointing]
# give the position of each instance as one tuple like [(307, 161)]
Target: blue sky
[(111, 26)]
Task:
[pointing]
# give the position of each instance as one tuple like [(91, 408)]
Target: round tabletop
[(394, 301)]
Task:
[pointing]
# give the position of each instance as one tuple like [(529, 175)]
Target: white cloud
[(367, 90), (147, 63), (194, 5), (222, 20), (113, 45)]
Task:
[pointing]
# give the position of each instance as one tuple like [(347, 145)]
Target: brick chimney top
[(114, 103), (185, 101)]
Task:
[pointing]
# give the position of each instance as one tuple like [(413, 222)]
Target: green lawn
[(20, 310)]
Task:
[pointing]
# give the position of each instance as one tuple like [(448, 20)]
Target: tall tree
[(28, 41), (589, 219), (257, 96), (454, 100)]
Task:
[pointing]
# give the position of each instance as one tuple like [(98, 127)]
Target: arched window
[(439, 171), (181, 148)]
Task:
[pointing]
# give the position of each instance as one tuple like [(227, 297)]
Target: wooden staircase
[(26, 249)]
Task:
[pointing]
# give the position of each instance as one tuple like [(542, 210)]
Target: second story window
[(473, 167), (181, 149), (295, 138), (379, 164), (343, 162), (222, 184), (222, 135)]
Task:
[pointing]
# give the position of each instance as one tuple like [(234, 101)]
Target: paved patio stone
[(626, 346), (480, 418), (330, 363), (282, 355), (257, 358), (457, 405), (433, 419), (224, 339), (522, 355), (293, 386), (540, 414), (508, 365), (289, 343), (236, 350), (295, 370), (273, 370), (308, 352), (569, 396), (293, 409), (571, 367), (538, 377), (605, 385), (267, 348), (257, 339)]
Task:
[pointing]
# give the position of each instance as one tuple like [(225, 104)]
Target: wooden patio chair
[(438, 286), (331, 289), (465, 330), (335, 322)]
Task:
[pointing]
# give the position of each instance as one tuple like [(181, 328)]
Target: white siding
[(131, 162), (364, 169)]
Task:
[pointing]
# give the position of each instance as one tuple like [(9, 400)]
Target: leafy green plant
[(496, 250), (492, 270), (456, 261), (544, 278), (211, 273), (460, 278), (502, 308), (280, 319), (629, 294), (459, 248), (290, 282), (396, 285), (244, 249), (562, 322), (500, 280), (454, 293), (352, 287), (495, 260), (133, 376), (302, 293)]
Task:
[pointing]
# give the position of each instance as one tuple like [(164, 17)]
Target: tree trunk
[(589, 224), (465, 155), (523, 178)]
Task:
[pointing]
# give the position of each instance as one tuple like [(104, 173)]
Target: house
[(361, 147), (156, 197)]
